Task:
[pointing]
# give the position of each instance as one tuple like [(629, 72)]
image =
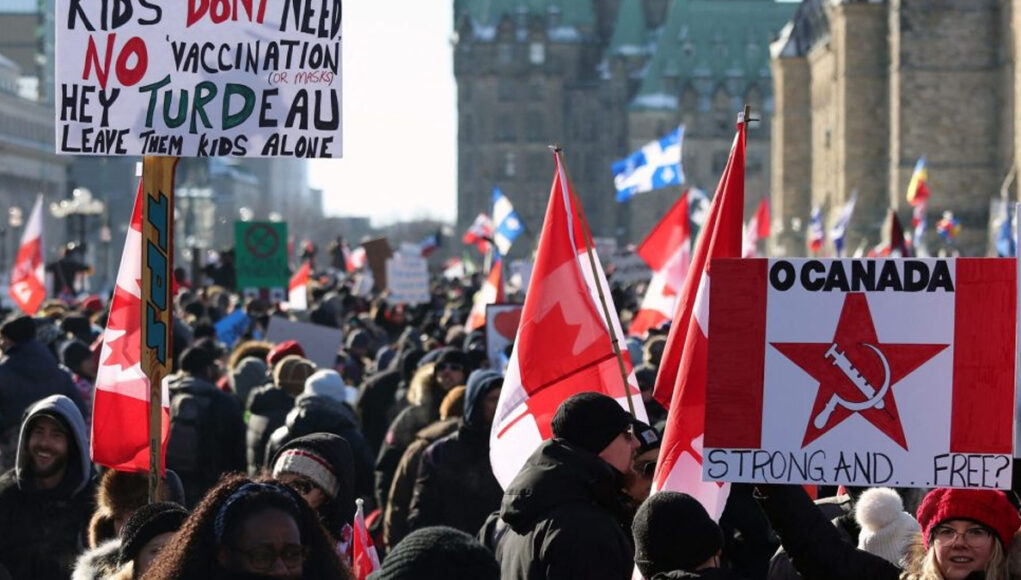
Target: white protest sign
[(861, 372), (320, 343), (407, 278), (502, 322), (629, 268), (199, 78)]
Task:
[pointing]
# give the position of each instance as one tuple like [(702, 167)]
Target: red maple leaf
[(125, 315)]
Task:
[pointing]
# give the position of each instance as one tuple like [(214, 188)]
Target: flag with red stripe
[(120, 415), (490, 293), (862, 372), (667, 251), (297, 289), (364, 560), (28, 286), (757, 229)]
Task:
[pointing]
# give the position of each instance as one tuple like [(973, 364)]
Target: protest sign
[(861, 372), (377, 252), (407, 278), (201, 78), (520, 275), (232, 327), (261, 255), (502, 322), (628, 267), (320, 343)]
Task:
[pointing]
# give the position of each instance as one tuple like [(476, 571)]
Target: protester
[(268, 405), (250, 529), (47, 498), (207, 431), (676, 539), (78, 358), (456, 486), (638, 482), (886, 529), (439, 553), (377, 396), (321, 467), (563, 510), (145, 534), (28, 373), (395, 518), (964, 532)]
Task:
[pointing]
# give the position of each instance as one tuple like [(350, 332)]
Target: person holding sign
[(965, 532)]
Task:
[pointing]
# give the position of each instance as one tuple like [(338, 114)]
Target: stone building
[(866, 88), (601, 78)]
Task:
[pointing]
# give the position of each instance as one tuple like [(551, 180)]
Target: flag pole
[(558, 152), (157, 323)]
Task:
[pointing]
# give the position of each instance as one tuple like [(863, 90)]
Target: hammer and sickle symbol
[(874, 398)]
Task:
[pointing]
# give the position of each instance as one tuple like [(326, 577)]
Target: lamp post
[(81, 205), (14, 221)]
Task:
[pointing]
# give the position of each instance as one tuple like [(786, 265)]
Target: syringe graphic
[(841, 362)]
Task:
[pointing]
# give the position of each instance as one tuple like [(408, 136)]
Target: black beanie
[(673, 532), (73, 353), (19, 330), (438, 553), (146, 523), (590, 421)]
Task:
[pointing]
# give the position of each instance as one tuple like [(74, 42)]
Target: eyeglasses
[(263, 558), (646, 469), (975, 536), (303, 486), (449, 367)]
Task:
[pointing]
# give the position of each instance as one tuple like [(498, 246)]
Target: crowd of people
[(270, 452)]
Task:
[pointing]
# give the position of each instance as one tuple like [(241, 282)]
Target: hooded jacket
[(268, 406), (455, 485), (28, 372), (42, 531), (318, 414), (565, 519)]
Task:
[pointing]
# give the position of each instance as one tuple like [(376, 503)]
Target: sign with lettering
[(861, 372), (199, 78), (407, 279), (261, 249), (502, 321)]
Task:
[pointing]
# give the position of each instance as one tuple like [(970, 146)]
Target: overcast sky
[(400, 114)]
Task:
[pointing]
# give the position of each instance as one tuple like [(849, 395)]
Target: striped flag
[(28, 286), (816, 235), (839, 229), (364, 560)]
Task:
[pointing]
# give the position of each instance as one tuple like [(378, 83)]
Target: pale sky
[(400, 115)]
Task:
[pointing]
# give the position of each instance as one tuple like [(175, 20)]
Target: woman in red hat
[(964, 532)]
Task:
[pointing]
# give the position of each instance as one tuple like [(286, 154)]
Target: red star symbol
[(854, 331)]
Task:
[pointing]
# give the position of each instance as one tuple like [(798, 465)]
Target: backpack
[(190, 412)]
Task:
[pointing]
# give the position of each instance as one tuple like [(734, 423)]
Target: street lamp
[(81, 204)]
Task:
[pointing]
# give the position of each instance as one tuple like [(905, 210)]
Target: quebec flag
[(656, 165), (506, 223)]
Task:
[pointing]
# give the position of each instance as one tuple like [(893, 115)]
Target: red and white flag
[(862, 372), (354, 259), (364, 560), (757, 229), (120, 414), (681, 382), (490, 293), (28, 279), (479, 233), (297, 290), (667, 251), (563, 344)]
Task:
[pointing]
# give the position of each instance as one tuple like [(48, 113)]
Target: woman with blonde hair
[(966, 533)]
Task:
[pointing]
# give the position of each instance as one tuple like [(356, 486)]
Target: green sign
[(261, 249)]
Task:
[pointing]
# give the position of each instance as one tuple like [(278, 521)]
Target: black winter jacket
[(814, 545), (267, 411), (705, 574), (564, 515)]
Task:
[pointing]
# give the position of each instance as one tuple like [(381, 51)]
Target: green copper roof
[(630, 37), (711, 41), (485, 14)]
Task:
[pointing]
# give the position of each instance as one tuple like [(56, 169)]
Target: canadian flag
[(364, 560), (28, 286), (490, 293), (563, 343), (120, 415), (354, 259), (667, 250), (297, 290), (479, 233), (681, 383), (757, 229)]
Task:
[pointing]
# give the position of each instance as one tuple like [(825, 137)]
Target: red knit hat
[(984, 506), (283, 349)]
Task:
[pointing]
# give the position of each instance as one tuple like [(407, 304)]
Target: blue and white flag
[(840, 228), (656, 165), (507, 225), (1006, 245)]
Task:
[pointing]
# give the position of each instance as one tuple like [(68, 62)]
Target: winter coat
[(222, 436), (564, 515), (43, 531), (375, 398), (400, 434), (814, 545), (840, 511), (267, 411), (100, 562), (315, 414), (28, 373), (395, 518), (705, 574)]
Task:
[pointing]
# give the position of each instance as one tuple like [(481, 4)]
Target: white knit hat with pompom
[(886, 529)]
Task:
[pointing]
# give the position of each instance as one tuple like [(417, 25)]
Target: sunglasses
[(449, 367), (646, 469)]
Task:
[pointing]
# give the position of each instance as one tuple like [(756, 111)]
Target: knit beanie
[(18, 329), (438, 553), (648, 437), (590, 421), (310, 464), (672, 531), (326, 383), (328, 461), (73, 353), (249, 373), (988, 507), (292, 372), (278, 352), (146, 523), (886, 529)]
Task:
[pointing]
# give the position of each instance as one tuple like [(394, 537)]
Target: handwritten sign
[(407, 278), (199, 78)]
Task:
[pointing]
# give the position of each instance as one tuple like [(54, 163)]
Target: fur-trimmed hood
[(99, 563)]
